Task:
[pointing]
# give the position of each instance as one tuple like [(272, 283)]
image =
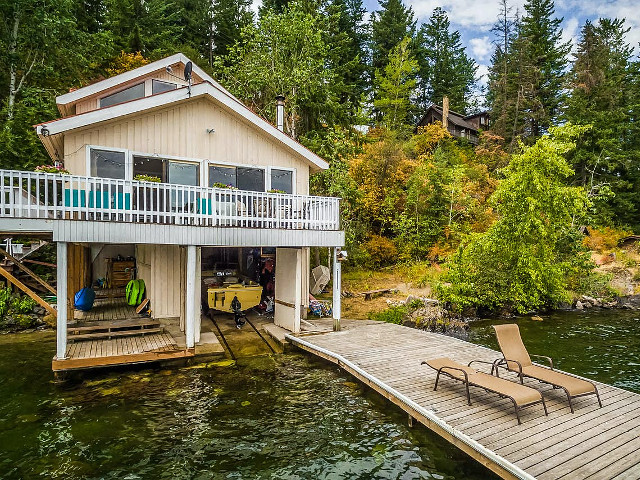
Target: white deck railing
[(72, 197)]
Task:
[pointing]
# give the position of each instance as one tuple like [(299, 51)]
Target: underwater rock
[(536, 318)]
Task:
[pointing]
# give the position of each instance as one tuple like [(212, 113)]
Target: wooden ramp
[(593, 443)]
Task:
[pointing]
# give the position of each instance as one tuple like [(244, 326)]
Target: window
[(249, 178), (180, 173), (244, 178), (107, 163), (153, 167), (224, 175), (282, 180), (158, 86), (131, 93)]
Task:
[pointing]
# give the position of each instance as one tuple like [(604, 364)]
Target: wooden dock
[(121, 351), (593, 443)]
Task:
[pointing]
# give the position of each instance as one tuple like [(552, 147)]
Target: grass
[(408, 279)]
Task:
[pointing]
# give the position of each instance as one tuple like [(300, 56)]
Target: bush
[(394, 314), (603, 240), (381, 251), (14, 304)]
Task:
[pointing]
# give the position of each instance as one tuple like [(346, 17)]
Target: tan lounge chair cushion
[(512, 346), (575, 386), (522, 394)]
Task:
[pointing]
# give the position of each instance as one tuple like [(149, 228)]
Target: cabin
[(174, 181), (458, 125)]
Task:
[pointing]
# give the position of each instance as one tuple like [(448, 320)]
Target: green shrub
[(394, 314), (381, 251)]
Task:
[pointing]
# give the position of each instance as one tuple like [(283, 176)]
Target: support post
[(61, 334), (337, 288), (190, 321)]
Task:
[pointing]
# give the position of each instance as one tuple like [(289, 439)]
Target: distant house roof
[(454, 117), (206, 89)]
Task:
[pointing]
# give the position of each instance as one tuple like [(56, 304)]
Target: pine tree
[(546, 58), (346, 39), (499, 96), (445, 68), (601, 83), (395, 86), (389, 26), (229, 17)]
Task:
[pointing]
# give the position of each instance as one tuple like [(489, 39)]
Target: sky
[(474, 20)]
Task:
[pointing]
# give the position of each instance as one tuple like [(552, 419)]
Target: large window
[(222, 175), (244, 178), (107, 163), (131, 93), (180, 173), (249, 178), (282, 180), (158, 86)]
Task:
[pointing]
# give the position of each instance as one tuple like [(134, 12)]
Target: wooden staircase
[(107, 330)]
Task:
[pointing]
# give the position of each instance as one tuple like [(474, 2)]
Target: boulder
[(579, 305)]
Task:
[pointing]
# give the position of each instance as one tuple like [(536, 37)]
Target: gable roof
[(454, 117), (206, 89), (125, 77)]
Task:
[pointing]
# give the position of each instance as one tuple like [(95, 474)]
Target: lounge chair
[(516, 359), (520, 395)]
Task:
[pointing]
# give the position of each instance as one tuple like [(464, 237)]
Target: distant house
[(178, 183), (458, 125)]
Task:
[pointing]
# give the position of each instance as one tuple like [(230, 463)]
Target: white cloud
[(570, 31), (462, 12), (481, 47)]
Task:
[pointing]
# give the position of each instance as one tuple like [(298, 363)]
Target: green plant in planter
[(147, 178), (52, 169), (275, 190), (223, 185)]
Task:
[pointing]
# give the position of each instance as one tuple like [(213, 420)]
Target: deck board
[(120, 350), (595, 443)]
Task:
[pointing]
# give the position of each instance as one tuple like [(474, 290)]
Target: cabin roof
[(454, 117), (206, 89)]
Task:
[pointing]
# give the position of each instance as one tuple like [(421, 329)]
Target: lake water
[(285, 417)]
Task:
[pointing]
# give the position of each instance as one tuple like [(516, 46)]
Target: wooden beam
[(127, 359), (26, 270), (38, 262), (28, 291)]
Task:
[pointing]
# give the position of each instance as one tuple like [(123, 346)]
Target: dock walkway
[(594, 443)]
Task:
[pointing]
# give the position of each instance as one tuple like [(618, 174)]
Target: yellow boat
[(220, 298)]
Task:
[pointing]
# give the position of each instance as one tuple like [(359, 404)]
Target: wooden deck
[(107, 308), (120, 351), (593, 443)]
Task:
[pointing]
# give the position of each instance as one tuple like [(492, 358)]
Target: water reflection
[(286, 417)]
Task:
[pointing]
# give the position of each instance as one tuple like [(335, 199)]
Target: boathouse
[(174, 181)]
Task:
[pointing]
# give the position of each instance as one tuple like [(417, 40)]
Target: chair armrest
[(482, 361), (545, 357), (466, 377), (506, 360)]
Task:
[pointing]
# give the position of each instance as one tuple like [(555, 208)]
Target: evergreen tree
[(196, 26), (601, 86), (346, 39), (526, 80), (500, 94), (395, 87), (445, 68), (546, 59), (389, 26), (229, 17), (144, 26)]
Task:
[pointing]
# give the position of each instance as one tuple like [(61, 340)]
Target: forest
[(507, 219)]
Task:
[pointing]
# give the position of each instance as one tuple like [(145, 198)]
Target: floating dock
[(592, 443)]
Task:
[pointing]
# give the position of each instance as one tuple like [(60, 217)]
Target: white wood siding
[(181, 131), (160, 266)]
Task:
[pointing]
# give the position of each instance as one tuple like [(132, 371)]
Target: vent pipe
[(280, 112), (445, 112)]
